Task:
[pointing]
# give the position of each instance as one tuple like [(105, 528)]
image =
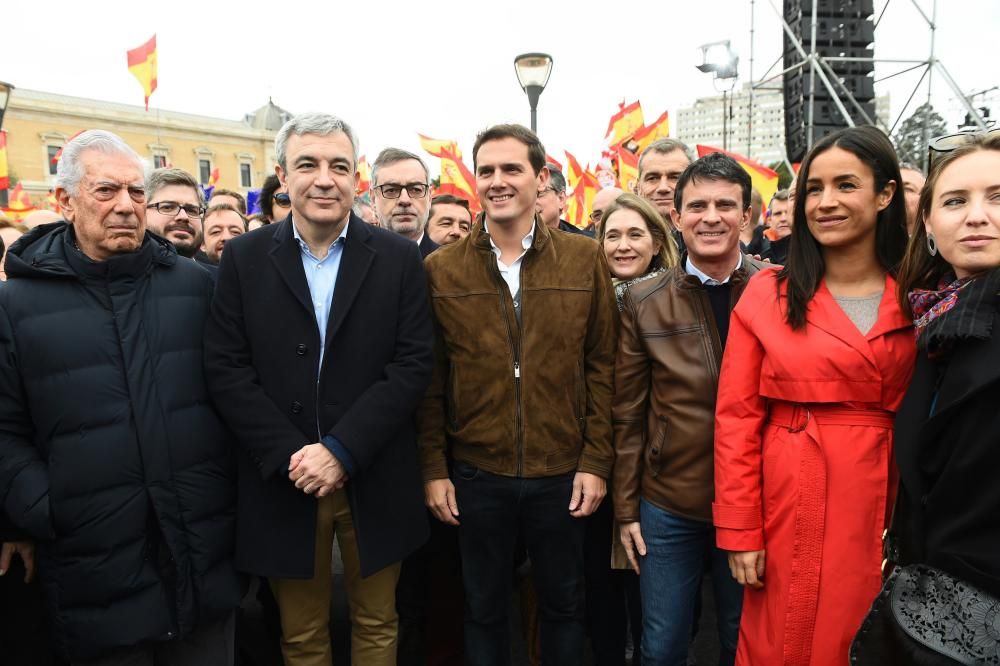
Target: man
[(778, 236), (364, 210), (234, 199), (222, 224), (450, 219), (112, 457), (602, 200), (319, 348), (173, 210), (913, 183), (664, 412), (551, 202), (37, 218), (401, 196), (515, 429), (660, 165), (273, 200), (756, 206)]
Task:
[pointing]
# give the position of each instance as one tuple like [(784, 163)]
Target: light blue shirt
[(321, 274), (706, 279)]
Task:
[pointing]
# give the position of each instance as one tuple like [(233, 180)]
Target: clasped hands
[(316, 471)]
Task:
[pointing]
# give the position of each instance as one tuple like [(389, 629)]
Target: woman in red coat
[(818, 358)]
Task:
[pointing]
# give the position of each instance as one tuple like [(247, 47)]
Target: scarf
[(958, 309)]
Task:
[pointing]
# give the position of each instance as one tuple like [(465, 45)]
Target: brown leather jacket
[(666, 378), (527, 399)]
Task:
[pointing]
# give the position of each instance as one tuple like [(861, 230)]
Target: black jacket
[(949, 510), (262, 356), (111, 455), (426, 246)]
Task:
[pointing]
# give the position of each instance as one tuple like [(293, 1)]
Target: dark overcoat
[(262, 360), (949, 510)]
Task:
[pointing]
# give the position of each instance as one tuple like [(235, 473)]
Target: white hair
[(320, 124), (69, 170)]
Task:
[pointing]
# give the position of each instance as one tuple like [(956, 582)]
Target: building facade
[(39, 123), (702, 122)]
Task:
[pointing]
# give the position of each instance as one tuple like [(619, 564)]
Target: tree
[(911, 140)]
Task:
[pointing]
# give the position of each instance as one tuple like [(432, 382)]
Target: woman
[(638, 246), (810, 381), (636, 241), (947, 429)]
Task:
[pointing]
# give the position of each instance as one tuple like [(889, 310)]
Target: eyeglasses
[(393, 191), (282, 199), (170, 208), (545, 190), (942, 145)]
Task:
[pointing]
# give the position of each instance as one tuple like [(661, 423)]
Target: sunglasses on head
[(942, 145), (282, 199)]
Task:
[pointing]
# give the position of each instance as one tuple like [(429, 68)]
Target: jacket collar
[(738, 278)]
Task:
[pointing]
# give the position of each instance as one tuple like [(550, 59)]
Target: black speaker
[(844, 28)]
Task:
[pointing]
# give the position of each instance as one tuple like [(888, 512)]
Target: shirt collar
[(342, 238), (526, 242), (691, 269)]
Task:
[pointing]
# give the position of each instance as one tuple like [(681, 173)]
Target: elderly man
[(111, 456), (401, 196), (319, 349)]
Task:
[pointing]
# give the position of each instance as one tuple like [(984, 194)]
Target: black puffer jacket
[(111, 455)]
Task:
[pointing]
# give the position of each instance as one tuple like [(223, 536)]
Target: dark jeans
[(613, 606), (429, 602), (212, 645), (493, 510), (671, 574)]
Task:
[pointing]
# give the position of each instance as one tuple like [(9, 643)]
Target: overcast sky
[(445, 68)]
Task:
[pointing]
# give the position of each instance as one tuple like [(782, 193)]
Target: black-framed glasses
[(942, 145), (545, 190), (394, 191), (170, 208), (282, 199)]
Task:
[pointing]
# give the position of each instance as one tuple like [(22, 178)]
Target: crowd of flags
[(627, 135)]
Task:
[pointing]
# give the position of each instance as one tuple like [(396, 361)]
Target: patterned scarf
[(956, 310)]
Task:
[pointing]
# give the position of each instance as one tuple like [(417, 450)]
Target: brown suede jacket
[(529, 399), (666, 379)]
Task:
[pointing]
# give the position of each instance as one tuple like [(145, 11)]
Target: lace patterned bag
[(924, 617)]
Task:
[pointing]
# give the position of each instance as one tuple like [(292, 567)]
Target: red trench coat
[(804, 467)]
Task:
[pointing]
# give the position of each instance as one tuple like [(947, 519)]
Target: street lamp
[(5, 90), (533, 70), (720, 59)]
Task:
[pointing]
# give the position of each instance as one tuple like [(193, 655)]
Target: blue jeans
[(493, 510), (670, 580)]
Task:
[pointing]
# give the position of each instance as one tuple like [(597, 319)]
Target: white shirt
[(691, 269), (512, 274)]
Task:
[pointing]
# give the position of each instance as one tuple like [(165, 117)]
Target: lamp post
[(720, 59), (533, 70)]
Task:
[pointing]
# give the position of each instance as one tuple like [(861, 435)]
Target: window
[(159, 161), (204, 171), (52, 151), (245, 180)]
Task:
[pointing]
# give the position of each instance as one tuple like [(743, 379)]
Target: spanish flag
[(4, 173), (142, 64), (364, 176), (624, 123), (213, 179), (765, 180), (660, 129), (20, 205), (585, 185), (457, 180), (436, 146), (628, 169)]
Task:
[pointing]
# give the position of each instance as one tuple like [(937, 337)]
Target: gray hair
[(663, 147), (391, 156), (157, 179), (320, 124), (69, 171)]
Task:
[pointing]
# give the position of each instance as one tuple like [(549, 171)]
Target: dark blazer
[(262, 357), (427, 246), (949, 510)]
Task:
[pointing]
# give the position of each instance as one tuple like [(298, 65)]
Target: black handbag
[(925, 617)]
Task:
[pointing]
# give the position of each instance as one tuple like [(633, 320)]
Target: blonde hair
[(657, 226)]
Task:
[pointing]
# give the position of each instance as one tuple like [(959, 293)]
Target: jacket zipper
[(516, 355)]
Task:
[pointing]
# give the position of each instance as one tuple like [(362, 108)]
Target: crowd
[(796, 403)]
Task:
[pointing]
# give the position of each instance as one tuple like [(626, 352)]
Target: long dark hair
[(919, 269), (806, 267)]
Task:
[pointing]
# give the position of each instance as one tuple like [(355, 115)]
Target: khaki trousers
[(305, 603)]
